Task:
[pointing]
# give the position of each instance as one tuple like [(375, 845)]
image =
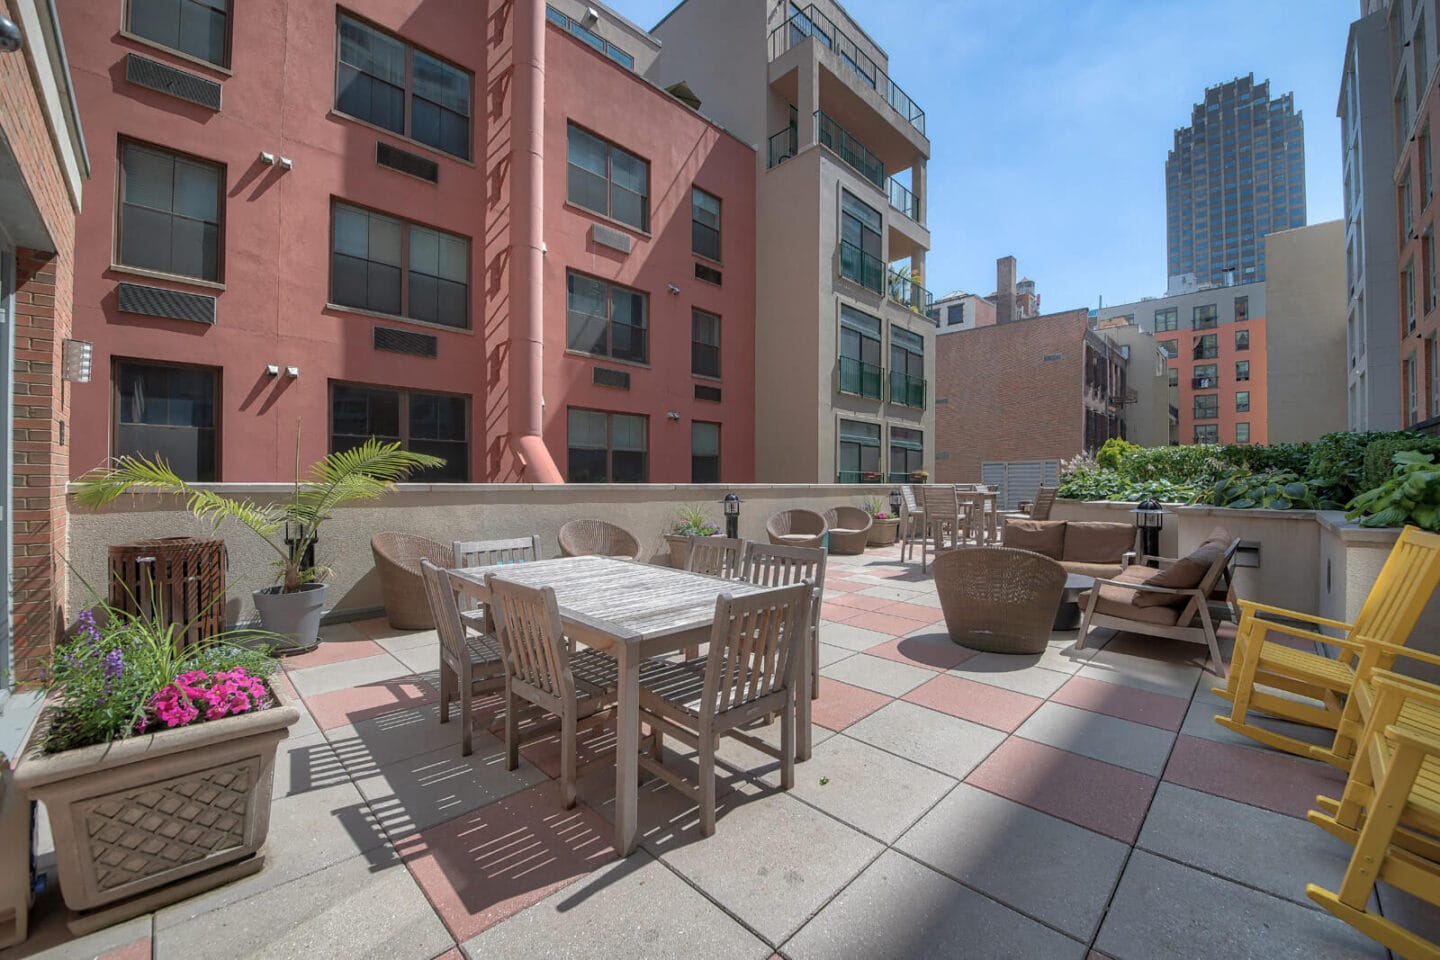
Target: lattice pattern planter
[(146, 821)]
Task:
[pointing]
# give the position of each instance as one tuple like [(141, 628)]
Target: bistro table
[(632, 611)]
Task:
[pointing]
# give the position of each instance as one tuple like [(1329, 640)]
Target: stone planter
[(150, 820), (293, 615), (883, 532)]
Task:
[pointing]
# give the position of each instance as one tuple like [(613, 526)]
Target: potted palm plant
[(690, 521), (292, 607)]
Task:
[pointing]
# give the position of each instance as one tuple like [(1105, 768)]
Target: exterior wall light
[(10, 38), (76, 360)]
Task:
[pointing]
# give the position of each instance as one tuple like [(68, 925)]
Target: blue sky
[(1049, 122)]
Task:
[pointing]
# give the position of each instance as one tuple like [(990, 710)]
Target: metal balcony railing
[(903, 200), (810, 22), (911, 295), (861, 267), (852, 151), (783, 146), (860, 378), (907, 390)]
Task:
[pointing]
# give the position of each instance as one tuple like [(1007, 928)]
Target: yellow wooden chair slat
[(1378, 635)]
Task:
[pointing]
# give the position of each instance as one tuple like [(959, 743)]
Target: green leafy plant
[(690, 521), (1276, 490), (876, 507), (364, 472), (1410, 495), (1380, 454), (1336, 471), (1114, 452)]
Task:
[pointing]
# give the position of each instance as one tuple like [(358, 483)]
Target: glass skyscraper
[(1234, 175)]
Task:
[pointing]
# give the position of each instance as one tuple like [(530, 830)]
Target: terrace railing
[(859, 378), (851, 150), (906, 390), (863, 268), (903, 200), (911, 295), (783, 146)]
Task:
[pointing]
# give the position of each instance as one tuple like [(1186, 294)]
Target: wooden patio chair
[(748, 674), (1037, 509), (716, 556), (541, 669), (485, 553), (944, 517), (912, 521), (1390, 812), (469, 664), (769, 565), (596, 538), (1389, 614)]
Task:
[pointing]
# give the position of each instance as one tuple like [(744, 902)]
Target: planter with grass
[(689, 522)]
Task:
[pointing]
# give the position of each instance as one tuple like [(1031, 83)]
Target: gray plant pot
[(294, 615)]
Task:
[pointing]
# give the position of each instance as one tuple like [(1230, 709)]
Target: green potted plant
[(690, 521), (154, 761), (884, 526), (293, 606)]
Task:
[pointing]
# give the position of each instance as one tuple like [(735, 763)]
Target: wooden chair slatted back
[(752, 646), (716, 556), (485, 553), (444, 608), (1398, 598), (1207, 583), (1044, 502), (772, 565), (532, 639)]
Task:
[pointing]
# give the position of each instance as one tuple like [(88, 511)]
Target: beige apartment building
[(844, 328), (1307, 300)]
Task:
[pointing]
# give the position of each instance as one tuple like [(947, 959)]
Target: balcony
[(862, 268), (783, 146), (860, 379), (906, 390), (851, 150), (903, 200), (1204, 383), (911, 295), (810, 22)]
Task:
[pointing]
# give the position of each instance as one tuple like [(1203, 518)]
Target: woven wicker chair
[(596, 538), (849, 529), (397, 561), (998, 599), (796, 528)]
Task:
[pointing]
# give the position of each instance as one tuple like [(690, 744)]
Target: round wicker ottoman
[(997, 599)]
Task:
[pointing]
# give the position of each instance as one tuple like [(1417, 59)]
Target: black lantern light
[(895, 503), (732, 515), (297, 533), (1150, 519)]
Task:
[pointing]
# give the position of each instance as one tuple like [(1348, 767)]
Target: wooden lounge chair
[(748, 674), (849, 529), (1389, 614), (1037, 509), (540, 669), (945, 521), (469, 664), (397, 561), (796, 528), (1390, 812), (716, 556), (780, 566), (596, 538), (485, 553)]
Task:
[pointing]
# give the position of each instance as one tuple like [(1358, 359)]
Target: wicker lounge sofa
[(849, 529), (397, 561), (1090, 549), (596, 538), (796, 528)]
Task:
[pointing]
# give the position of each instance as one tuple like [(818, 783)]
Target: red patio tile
[(1127, 703), (844, 586), (491, 863), (978, 702), (1094, 795), (883, 622), (916, 611), (545, 752), (932, 653), (139, 950), (1261, 778), (334, 651), (339, 707), (840, 704), (454, 954), (858, 602), (836, 613)]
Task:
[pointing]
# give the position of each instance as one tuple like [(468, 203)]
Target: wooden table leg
[(627, 748)]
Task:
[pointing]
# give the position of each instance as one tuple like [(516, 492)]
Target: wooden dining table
[(633, 611)]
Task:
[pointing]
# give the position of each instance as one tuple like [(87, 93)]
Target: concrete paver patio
[(1072, 804)]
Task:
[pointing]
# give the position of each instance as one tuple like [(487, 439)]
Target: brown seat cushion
[(1092, 542), (1184, 574), (1117, 601), (1102, 571), (1045, 537)]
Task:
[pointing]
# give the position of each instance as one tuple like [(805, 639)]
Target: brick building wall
[(1012, 391)]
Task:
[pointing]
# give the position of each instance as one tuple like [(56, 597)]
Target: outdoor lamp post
[(894, 503), (295, 533), (732, 515), (1150, 519)]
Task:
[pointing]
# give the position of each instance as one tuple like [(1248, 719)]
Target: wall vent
[(708, 274), (170, 304), (404, 161), (1049, 357), (610, 237), (163, 78), (707, 393), (605, 377), (406, 341)]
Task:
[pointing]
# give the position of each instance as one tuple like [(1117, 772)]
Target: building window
[(379, 75), (859, 353), (704, 344), (1204, 317), (1207, 433), (1406, 202), (1242, 401), (907, 367), (1427, 170), (955, 314), (1412, 390), (1174, 377), (607, 447), (603, 178), (1171, 348), (197, 28), (389, 265), (1206, 347), (1207, 406), (1242, 339), (1427, 254), (599, 43), (859, 451), (170, 208), (1242, 433), (704, 452), (433, 423), (1242, 370), (907, 453), (1167, 319), (167, 413), (860, 244), (1242, 309), (1205, 377), (1407, 283), (704, 224), (605, 319)]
